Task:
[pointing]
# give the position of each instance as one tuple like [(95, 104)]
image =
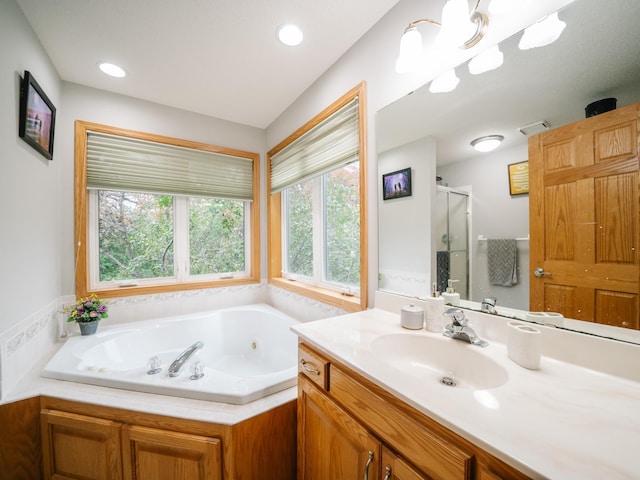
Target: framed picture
[(37, 116), (396, 184), (518, 178)]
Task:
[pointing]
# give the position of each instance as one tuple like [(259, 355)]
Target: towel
[(502, 254), (442, 269)]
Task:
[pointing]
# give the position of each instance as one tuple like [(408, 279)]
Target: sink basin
[(440, 359)]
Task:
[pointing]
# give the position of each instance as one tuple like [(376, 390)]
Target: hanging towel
[(442, 269), (502, 254)]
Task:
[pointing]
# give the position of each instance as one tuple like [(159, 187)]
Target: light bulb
[(410, 51), (447, 82), (542, 33), (490, 59), (456, 27), (290, 35)]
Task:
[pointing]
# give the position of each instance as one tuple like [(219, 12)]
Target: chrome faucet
[(459, 328), (488, 305), (174, 369)]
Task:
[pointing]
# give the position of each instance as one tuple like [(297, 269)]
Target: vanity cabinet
[(85, 441), (332, 444), (154, 453), (348, 427), (77, 446)]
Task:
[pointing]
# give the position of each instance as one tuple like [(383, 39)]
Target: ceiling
[(596, 57), (220, 58)]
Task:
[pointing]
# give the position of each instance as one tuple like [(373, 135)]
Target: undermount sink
[(450, 362)]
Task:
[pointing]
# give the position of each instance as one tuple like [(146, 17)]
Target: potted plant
[(87, 312)]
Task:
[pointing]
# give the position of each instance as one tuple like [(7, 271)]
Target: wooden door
[(396, 468), (331, 444), (584, 217), (150, 453), (80, 447)]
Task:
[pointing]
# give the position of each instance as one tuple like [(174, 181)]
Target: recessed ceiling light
[(111, 69), (488, 143), (290, 35)]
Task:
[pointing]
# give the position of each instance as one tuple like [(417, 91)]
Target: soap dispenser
[(451, 297)]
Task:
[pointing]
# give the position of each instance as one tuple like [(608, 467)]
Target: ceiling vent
[(534, 128)]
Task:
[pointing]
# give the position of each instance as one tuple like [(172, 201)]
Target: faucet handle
[(457, 317)]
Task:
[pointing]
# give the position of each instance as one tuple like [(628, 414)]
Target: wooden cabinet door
[(150, 453), (331, 444), (80, 447), (584, 216), (395, 468)]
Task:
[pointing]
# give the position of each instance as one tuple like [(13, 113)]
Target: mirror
[(595, 58)]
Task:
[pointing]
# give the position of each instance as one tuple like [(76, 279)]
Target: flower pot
[(88, 328)]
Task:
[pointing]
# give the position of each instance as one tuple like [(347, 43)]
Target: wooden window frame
[(81, 206), (274, 213)]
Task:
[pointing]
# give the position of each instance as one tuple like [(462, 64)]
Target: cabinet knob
[(387, 469)]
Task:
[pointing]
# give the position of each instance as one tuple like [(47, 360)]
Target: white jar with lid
[(412, 317)]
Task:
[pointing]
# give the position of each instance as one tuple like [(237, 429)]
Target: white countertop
[(561, 421)]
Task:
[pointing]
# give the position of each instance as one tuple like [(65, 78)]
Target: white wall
[(405, 222), (30, 208)]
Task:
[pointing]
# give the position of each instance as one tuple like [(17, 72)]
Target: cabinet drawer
[(430, 449), (313, 366)]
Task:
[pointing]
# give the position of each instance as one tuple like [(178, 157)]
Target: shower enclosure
[(452, 226)]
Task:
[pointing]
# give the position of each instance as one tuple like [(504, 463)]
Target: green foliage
[(341, 220), (216, 236), (342, 207), (300, 229), (136, 236)]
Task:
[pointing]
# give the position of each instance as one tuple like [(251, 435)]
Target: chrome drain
[(448, 381)]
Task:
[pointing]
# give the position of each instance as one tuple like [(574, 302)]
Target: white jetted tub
[(247, 353)]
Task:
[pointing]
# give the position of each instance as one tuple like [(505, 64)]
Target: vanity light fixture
[(447, 82), (487, 143), (290, 35), (112, 69), (542, 33), (459, 29), (490, 59)]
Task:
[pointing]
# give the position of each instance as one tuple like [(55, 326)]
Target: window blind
[(331, 144), (122, 163)]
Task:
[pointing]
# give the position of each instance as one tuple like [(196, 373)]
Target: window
[(316, 211), (157, 214)]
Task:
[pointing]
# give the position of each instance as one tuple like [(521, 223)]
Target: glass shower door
[(452, 224)]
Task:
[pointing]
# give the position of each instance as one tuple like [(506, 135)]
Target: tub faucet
[(459, 329), (174, 369)]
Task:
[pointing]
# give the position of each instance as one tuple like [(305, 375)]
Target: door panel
[(584, 214)]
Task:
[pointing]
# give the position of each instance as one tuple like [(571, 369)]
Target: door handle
[(539, 272)]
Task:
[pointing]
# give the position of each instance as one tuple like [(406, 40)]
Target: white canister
[(523, 345), (412, 317)]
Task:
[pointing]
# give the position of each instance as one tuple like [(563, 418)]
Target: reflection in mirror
[(595, 58)]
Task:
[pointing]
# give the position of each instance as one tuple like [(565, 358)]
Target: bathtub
[(249, 352)]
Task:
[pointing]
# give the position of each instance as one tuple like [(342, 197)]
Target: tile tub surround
[(561, 421)]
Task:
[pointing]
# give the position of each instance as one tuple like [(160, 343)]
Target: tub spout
[(174, 369)]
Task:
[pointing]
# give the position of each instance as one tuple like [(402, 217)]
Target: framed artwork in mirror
[(396, 184), (518, 178), (37, 116)]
